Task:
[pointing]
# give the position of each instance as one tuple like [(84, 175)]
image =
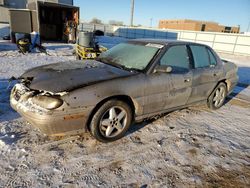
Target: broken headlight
[(47, 102)]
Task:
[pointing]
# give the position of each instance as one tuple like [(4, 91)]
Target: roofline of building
[(199, 21), (189, 20), (56, 4)]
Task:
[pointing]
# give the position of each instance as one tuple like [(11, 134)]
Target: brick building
[(194, 25)]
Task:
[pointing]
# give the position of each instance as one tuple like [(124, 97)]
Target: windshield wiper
[(103, 60), (112, 63), (124, 67)]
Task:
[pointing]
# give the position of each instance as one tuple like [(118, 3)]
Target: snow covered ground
[(193, 147)]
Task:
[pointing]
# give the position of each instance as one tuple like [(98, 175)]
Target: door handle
[(187, 80)]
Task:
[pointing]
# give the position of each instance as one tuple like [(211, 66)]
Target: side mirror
[(163, 69)]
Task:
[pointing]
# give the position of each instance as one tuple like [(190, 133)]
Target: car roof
[(162, 41)]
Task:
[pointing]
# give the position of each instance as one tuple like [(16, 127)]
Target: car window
[(212, 58), (177, 58), (200, 55)]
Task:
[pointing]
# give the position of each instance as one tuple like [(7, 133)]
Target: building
[(49, 18), (5, 5), (195, 25)]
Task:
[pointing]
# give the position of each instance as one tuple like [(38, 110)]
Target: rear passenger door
[(204, 73)]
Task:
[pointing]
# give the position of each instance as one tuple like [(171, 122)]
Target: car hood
[(67, 76)]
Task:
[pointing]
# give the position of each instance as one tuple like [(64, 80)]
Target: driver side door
[(169, 90)]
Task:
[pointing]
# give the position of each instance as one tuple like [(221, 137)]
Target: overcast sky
[(226, 12)]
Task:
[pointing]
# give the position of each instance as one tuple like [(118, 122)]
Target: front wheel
[(218, 96), (111, 121)]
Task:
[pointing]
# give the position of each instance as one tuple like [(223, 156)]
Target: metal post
[(132, 12), (213, 40), (195, 40), (236, 41)]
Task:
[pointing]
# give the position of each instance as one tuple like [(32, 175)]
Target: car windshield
[(130, 56)]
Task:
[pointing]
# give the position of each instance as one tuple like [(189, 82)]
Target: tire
[(217, 97), (111, 121)]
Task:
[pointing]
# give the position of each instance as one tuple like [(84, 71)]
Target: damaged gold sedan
[(128, 83)]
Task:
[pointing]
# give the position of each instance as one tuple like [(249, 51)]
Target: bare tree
[(96, 21), (115, 22)]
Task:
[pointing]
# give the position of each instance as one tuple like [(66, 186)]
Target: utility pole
[(248, 27), (132, 13), (151, 22)]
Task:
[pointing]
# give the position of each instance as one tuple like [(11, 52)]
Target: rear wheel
[(111, 121), (218, 96)]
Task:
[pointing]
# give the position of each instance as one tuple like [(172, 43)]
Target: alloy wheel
[(219, 96), (113, 121)]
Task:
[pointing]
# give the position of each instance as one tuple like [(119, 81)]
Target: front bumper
[(51, 122)]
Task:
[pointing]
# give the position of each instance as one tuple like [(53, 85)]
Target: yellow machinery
[(23, 45), (87, 47), (88, 53)]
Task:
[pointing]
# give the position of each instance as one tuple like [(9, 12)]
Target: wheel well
[(227, 82), (123, 98)]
